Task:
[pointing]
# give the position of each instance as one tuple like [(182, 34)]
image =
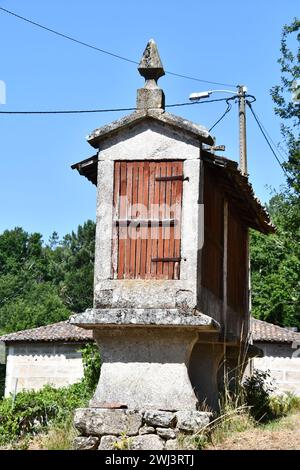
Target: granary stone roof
[(263, 331), (61, 331), (165, 118)]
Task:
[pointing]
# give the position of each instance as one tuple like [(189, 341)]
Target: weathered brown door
[(147, 219)]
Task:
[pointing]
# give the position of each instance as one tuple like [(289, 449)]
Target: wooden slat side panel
[(237, 282), (136, 232), (151, 192), (115, 237), (212, 252), (155, 215), (177, 229), (144, 230), (167, 230), (128, 272), (173, 171), (160, 241), (122, 214)]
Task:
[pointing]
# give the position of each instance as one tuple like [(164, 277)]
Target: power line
[(270, 138), (223, 115), (103, 51), (266, 138), (198, 79), (82, 111), (71, 111)]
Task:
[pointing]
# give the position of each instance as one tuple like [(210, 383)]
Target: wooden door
[(147, 219)]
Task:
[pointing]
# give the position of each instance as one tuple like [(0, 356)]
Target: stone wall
[(32, 365), (284, 368), (106, 429)]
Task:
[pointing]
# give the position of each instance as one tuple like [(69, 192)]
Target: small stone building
[(45, 355), (281, 354)]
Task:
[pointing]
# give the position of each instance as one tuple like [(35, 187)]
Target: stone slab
[(110, 443), (86, 443), (107, 317), (171, 444), (147, 442), (164, 419), (192, 421), (166, 433), (98, 422), (147, 430)]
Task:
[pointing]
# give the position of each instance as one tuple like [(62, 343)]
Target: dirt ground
[(283, 435)]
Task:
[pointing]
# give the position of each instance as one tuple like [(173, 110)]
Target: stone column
[(145, 367), (203, 369)]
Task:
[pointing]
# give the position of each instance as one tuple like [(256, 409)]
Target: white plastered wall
[(283, 362), (30, 366)]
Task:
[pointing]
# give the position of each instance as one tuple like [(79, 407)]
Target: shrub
[(91, 366), (283, 404), (32, 411), (257, 392), (2, 379)]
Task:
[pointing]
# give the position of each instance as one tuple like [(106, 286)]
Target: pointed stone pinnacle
[(150, 66)]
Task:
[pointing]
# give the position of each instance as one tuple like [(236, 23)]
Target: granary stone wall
[(31, 366), (283, 362), (148, 142)]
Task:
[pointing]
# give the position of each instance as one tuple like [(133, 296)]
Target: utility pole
[(242, 129), (241, 95)]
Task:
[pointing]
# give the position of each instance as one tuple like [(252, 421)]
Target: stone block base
[(118, 429)]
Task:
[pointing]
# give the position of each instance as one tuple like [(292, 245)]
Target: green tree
[(286, 97), (275, 265), (275, 260), (73, 267), (44, 284), (39, 305)]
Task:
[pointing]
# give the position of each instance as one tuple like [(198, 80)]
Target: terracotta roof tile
[(61, 331), (264, 331), (64, 331)]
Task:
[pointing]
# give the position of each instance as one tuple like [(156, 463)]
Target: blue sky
[(229, 42)]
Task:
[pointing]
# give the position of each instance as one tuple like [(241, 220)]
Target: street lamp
[(206, 94), (241, 95)]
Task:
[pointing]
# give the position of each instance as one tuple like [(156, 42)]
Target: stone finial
[(151, 68)]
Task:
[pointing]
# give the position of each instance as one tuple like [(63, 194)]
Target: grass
[(59, 437)]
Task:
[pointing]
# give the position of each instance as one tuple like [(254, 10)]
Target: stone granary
[(171, 289)]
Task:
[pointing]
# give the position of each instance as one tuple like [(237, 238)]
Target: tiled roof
[(264, 331), (61, 331), (64, 331)]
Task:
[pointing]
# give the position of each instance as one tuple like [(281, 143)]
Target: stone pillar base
[(145, 367), (118, 429)]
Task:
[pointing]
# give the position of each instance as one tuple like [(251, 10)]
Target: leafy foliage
[(91, 364), (281, 405), (257, 391), (275, 265), (32, 411), (264, 404), (286, 97), (275, 260), (44, 284)]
